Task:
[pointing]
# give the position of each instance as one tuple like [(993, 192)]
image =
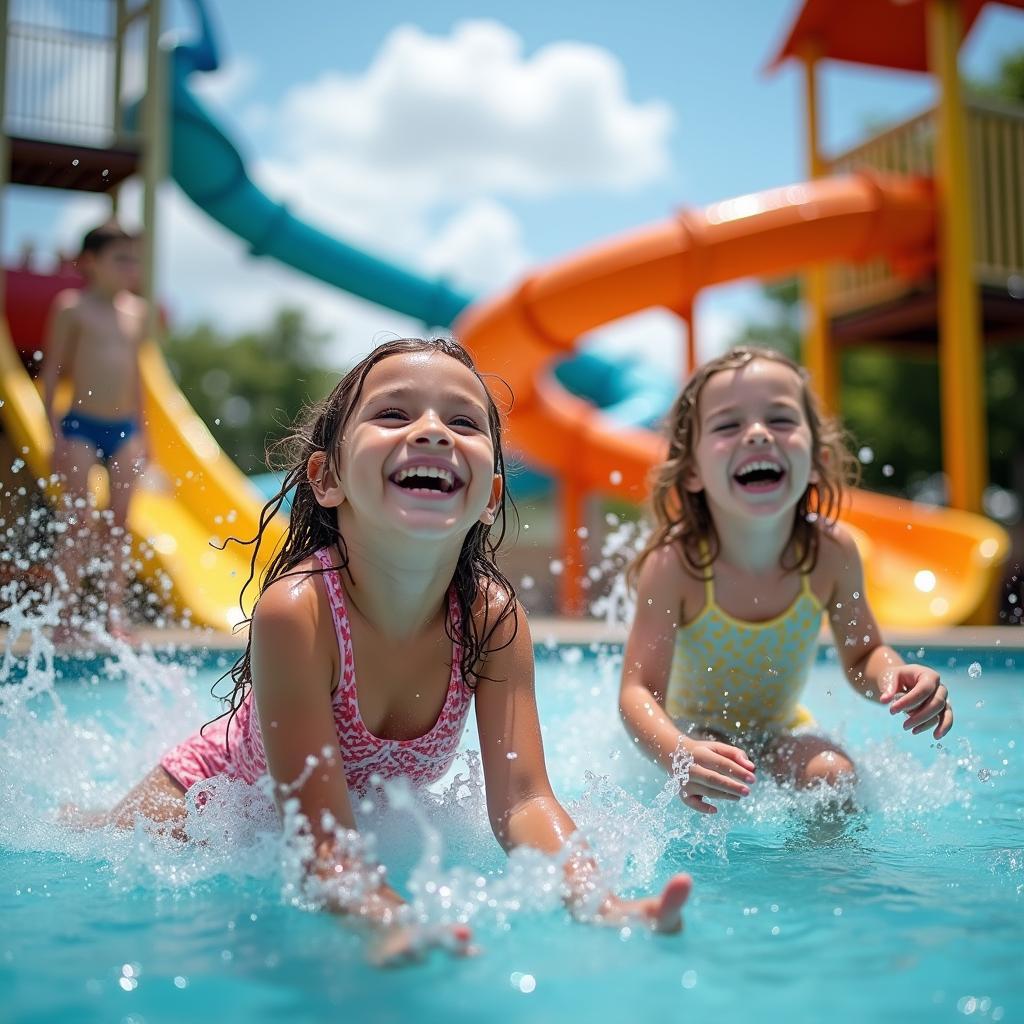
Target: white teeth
[(426, 471), (764, 464)]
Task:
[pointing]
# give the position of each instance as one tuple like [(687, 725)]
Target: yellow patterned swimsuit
[(734, 677)]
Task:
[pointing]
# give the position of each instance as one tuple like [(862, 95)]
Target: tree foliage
[(249, 387)]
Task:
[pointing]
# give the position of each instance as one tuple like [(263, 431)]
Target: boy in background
[(93, 338)]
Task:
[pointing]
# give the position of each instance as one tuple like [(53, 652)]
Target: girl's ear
[(324, 481), (494, 502), (691, 480)]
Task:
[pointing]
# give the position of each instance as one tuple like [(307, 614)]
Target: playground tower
[(70, 67), (970, 289)]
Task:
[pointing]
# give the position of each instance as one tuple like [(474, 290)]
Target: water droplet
[(979, 704), (984, 774), (689, 979), (866, 455), (615, 476), (974, 670), (887, 470), (556, 566)]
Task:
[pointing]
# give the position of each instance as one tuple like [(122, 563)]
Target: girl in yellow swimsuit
[(744, 557)]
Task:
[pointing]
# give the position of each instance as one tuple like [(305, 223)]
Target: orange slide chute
[(850, 218)]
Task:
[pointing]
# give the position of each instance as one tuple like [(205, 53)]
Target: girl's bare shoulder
[(665, 571), (837, 550), (296, 599)]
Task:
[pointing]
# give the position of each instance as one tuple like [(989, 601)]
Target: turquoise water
[(909, 910)]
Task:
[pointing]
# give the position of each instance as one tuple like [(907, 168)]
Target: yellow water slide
[(190, 500)]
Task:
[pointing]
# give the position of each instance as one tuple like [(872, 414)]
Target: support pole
[(690, 365), (154, 155), (961, 381), (570, 598), (5, 145), (818, 354)]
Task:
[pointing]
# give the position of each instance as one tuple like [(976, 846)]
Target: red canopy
[(886, 33)]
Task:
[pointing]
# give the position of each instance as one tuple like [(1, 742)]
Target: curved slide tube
[(924, 567)]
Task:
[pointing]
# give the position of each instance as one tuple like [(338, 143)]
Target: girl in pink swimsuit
[(388, 561)]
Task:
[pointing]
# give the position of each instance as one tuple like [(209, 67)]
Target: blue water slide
[(208, 167)]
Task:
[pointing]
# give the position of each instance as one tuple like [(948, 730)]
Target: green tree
[(248, 388)]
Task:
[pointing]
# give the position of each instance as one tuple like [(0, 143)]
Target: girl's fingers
[(937, 717), (734, 754), (945, 722), (698, 803), (926, 712), (911, 699), (726, 766), (717, 779), (920, 692)]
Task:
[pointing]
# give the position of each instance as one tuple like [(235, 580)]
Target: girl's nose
[(758, 434), (429, 430)]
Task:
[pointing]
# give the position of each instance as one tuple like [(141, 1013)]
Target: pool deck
[(582, 631)]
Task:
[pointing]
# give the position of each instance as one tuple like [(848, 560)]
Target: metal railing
[(69, 67), (995, 138)]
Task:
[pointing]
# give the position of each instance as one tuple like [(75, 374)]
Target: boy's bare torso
[(102, 359)]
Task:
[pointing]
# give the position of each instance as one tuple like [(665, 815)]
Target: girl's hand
[(921, 695), (718, 771), (659, 913), (400, 944)]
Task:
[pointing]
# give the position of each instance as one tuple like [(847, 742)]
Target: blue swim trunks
[(106, 436)]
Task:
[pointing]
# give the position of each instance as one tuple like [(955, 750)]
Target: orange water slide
[(938, 575)]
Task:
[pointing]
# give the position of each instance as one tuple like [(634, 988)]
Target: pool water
[(909, 910)]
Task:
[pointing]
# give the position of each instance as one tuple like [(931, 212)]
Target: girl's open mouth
[(762, 475), (427, 480)]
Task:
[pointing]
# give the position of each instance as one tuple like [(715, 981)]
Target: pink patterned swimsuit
[(421, 760)]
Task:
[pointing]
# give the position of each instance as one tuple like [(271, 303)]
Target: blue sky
[(687, 117)]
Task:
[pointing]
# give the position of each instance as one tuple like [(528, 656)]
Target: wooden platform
[(911, 319), (77, 167)]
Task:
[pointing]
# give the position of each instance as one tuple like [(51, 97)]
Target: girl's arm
[(293, 669), (719, 770), (522, 807), (873, 668), (294, 665)]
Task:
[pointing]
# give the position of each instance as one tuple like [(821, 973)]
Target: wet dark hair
[(682, 517), (99, 238), (311, 526)]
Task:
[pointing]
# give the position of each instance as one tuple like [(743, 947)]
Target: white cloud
[(469, 114)]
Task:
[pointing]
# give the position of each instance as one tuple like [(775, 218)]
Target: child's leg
[(158, 798), (124, 470), (73, 460), (809, 760)]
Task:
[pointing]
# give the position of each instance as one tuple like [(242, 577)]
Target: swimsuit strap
[(339, 610)]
